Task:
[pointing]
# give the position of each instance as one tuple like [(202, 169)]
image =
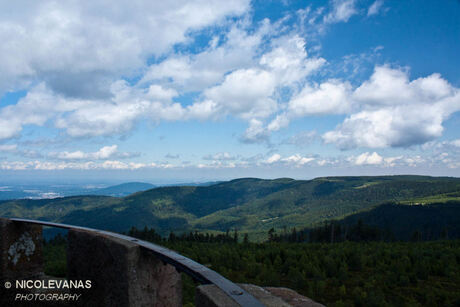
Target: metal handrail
[(197, 271)]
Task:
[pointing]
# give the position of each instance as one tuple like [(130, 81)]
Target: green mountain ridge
[(246, 204)]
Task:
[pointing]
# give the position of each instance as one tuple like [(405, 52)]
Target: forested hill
[(386, 222), (248, 204), (412, 222)]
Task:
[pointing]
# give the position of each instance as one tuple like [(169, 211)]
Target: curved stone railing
[(122, 271)]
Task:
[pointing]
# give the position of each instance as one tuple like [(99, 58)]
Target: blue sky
[(212, 90)]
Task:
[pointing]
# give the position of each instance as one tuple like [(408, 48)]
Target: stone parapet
[(121, 273), (212, 296)]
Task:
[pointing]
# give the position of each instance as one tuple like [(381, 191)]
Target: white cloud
[(225, 161), (396, 112), (341, 11), (288, 60), (391, 161), (115, 116), (375, 159), (203, 110), (447, 152), (298, 160), (253, 93), (78, 46), (330, 97), (90, 117), (221, 156), (368, 159), (14, 165), (389, 109), (451, 160), (90, 165), (219, 165), (391, 127), (65, 155), (255, 133), (104, 153), (274, 158), (245, 93), (442, 146), (119, 165), (280, 121), (295, 160), (158, 93), (388, 86), (375, 8), (456, 143), (196, 72), (8, 147), (241, 73), (36, 108), (414, 161)]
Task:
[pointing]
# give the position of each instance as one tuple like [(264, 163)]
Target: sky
[(177, 91)]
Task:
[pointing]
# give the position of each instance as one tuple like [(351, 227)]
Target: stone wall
[(20, 256), (121, 273)]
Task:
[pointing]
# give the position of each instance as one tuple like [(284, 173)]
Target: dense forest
[(364, 273), (341, 274), (387, 222)]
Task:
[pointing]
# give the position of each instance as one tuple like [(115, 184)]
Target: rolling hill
[(247, 204)]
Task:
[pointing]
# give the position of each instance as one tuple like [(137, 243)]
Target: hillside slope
[(247, 204), (427, 222)]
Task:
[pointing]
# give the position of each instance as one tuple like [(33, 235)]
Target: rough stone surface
[(21, 250), (293, 298), (264, 296), (211, 296), (20, 256), (121, 273)]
